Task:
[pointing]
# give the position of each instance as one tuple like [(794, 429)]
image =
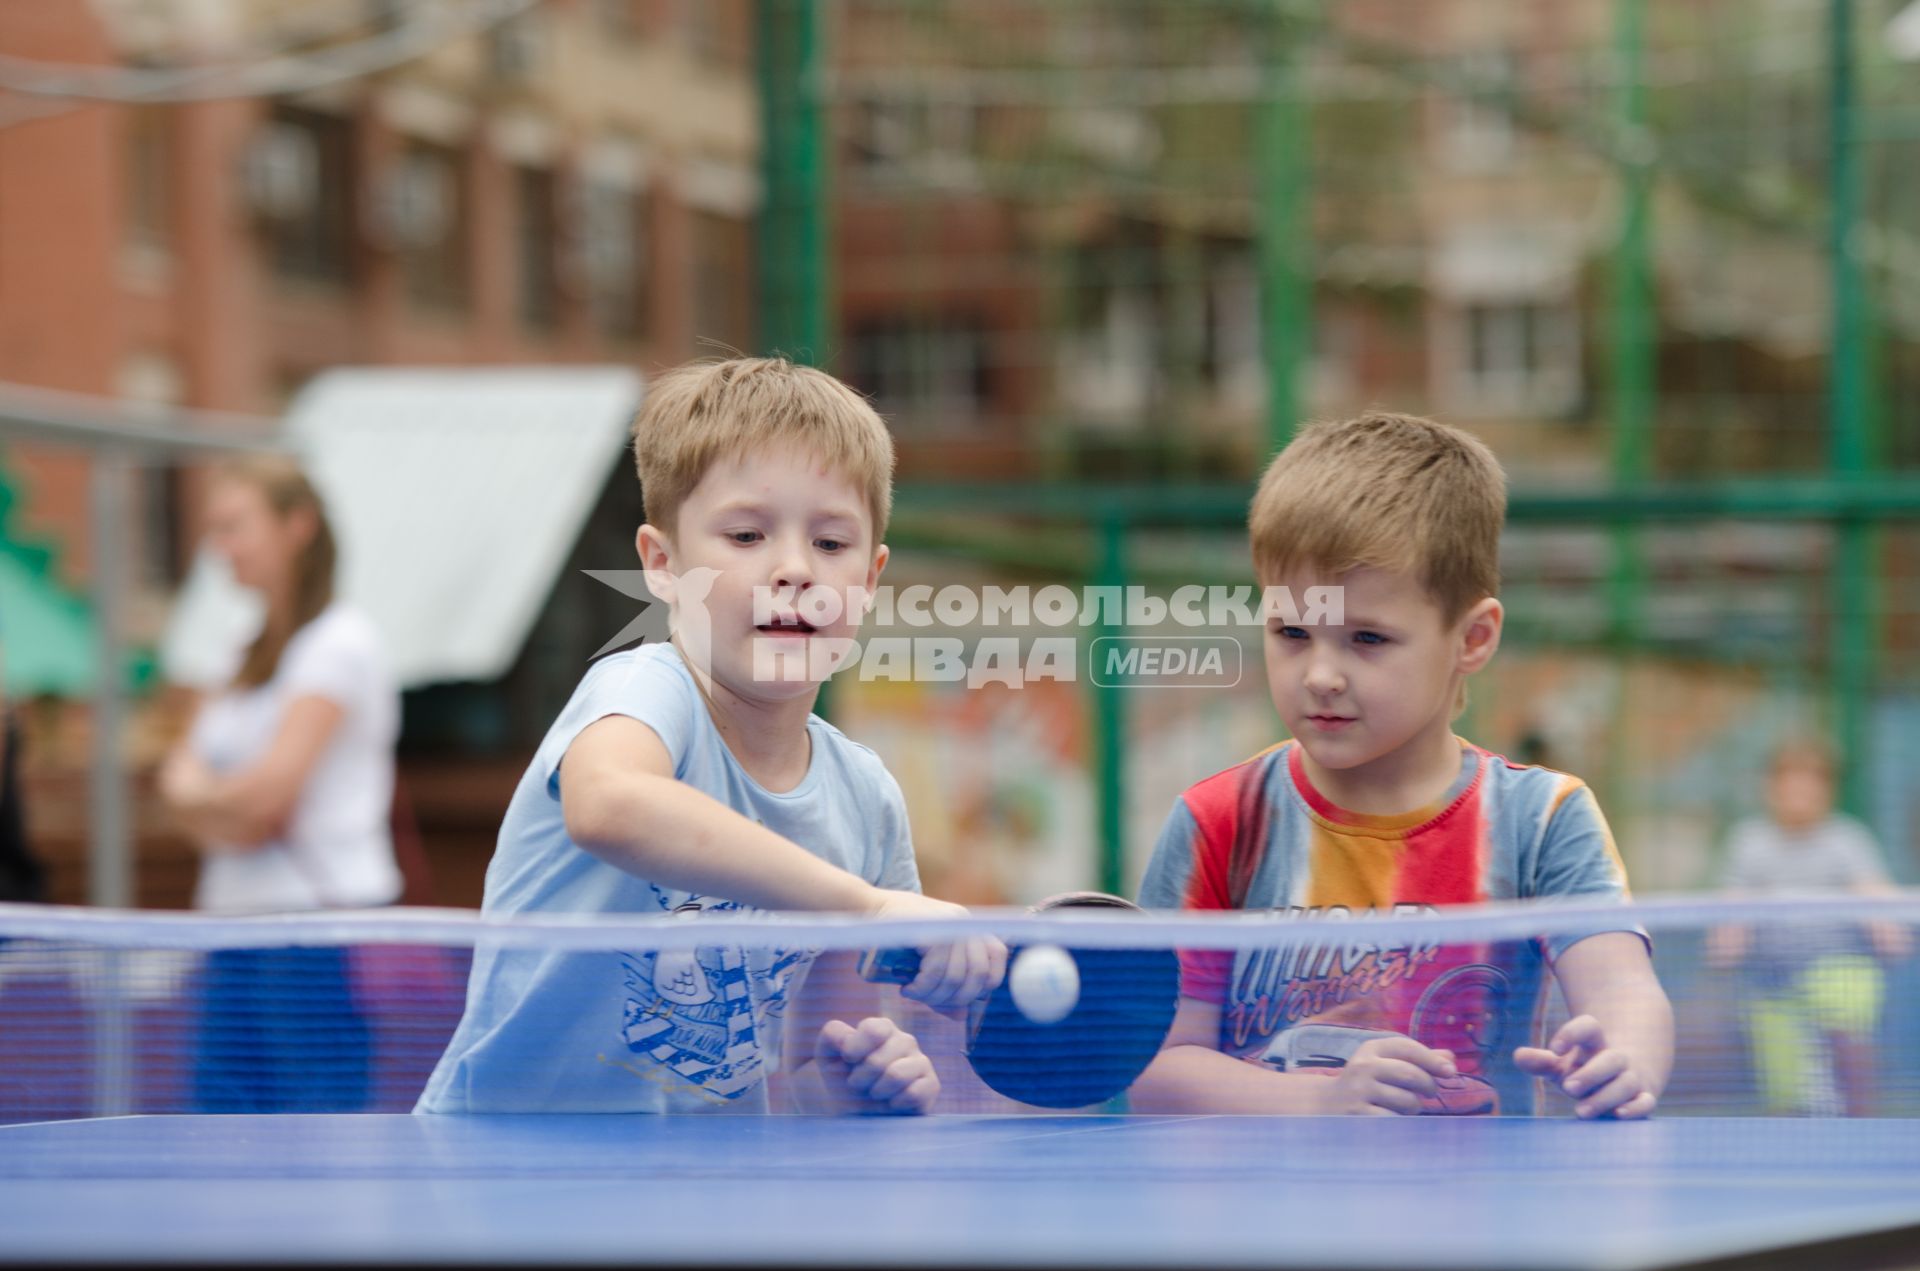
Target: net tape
[(1094, 929)]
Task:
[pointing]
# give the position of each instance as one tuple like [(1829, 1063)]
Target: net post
[(110, 858), (109, 862)]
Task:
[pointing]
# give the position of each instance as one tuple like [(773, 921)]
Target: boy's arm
[(1191, 1075), (1728, 943), (1615, 1055), (622, 803), (1890, 940)]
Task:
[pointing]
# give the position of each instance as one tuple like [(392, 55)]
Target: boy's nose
[(793, 568), (1324, 678)]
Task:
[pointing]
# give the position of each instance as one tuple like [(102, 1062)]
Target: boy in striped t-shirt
[(1377, 806)]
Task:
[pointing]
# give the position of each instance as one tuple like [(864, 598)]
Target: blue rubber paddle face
[(1127, 1002)]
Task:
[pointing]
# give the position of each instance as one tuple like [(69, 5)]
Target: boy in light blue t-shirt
[(693, 777)]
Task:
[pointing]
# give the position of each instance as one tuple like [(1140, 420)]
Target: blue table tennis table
[(958, 1191)]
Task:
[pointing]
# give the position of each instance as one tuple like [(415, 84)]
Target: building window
[(932, 375), (897, 137), (517, 49), (152, 380), (1231, 357), (164, 551), (619, 18), (717, 32), (538, 227), (723, 277), (149, 191), (300, 181), (1516, 357), (613, 245), (1478, 132), (880, 135), (423, 215), (1112, 354), (1331, 367)]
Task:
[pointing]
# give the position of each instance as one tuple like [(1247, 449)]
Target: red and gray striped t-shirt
[(1259, 836)]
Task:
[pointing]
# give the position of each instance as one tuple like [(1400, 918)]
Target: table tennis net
[(1800, 1008)]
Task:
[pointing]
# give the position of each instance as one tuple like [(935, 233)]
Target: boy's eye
[(744, 536), (829, 544), (1291, 633), (1369, 637)]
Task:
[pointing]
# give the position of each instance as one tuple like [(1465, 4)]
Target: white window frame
[(1510, 385)]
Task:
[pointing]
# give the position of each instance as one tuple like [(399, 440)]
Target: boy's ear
[(880, 557), (1480, 634), (656, 559)]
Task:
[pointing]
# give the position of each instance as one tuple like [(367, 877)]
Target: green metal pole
[(1284, 156), (794, 257), (1855, 602), (794, 244), (1846, 386), (1631, 367), (1631, 326), (1110, 718)]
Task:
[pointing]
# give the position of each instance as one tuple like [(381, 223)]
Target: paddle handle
[(901, 966), (890, 966)]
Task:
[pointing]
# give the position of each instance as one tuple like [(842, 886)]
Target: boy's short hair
[(1385, 491), (1803, 753), (704, 412)]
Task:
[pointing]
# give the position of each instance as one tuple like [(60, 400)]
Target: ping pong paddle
[(1127, 1002)]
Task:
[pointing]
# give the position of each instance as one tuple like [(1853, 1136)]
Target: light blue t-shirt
[(640, 1030)]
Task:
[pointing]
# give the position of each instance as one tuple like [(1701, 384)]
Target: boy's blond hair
[(1385, 491), (1803, 753), (705, 412)]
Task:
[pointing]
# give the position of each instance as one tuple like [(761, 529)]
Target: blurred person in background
[(21, 877), (285, 784), (1813, 989)]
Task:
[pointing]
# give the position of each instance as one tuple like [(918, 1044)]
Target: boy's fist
[(877, 1067), (1389, 1076), (951, 975)]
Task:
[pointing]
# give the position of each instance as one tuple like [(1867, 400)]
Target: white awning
[(456, 495), (1903, 34)]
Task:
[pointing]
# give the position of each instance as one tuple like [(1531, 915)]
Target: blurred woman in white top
[(286, 778), (285, 783)]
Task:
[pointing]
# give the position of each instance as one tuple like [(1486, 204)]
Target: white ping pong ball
[(1045, 983)]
